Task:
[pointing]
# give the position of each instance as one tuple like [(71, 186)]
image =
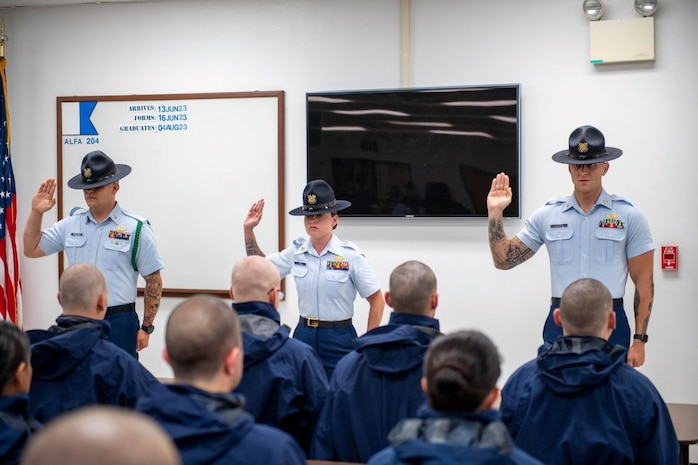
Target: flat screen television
[(415, 152)]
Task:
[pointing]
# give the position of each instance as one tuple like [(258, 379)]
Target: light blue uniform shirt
[(108, 246), (327, 283), (588, 245)]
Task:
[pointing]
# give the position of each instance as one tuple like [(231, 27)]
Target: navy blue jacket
[(16, 427), (582, 398), (452, 439), (74, 365), (373, 388), (284, 382), (213, 429)]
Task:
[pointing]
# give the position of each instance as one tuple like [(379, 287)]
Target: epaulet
[(77, 211), (617, 198), (556, 201), (298, 242), (142, 219), (349, 245)]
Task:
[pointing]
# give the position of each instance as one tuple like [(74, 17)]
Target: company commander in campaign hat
[(318, 197), (606, 236), (98, 170), (328, 274), (121, 244), (587, 145)]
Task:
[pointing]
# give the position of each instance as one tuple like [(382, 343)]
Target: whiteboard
[(198, 162)]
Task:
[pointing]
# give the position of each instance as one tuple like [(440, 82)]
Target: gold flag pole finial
[(3, 38)]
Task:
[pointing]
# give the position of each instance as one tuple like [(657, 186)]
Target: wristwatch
[(148, 329), (641, 337)]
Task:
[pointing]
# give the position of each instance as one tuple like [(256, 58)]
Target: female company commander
[(328, 274)]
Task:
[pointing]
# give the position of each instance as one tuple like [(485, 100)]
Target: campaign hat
[(98, 170), (587, 145), (318, 198)]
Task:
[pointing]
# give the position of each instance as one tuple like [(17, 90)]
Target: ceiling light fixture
[(646, 7), (594, 9)]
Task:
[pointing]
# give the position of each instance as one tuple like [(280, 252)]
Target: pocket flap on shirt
[(75, 241), (610, 234), (119, 245), (559, 234)]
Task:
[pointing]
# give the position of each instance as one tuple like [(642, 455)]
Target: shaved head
[(252, 279), (200, 333), (101, 435), (412, 285), (80, 288), (584, 308)]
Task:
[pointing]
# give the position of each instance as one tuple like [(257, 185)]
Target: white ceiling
[(35, 3)]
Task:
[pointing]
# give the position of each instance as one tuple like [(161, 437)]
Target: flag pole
[(3, 38)]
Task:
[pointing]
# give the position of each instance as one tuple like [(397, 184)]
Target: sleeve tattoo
[(507, 253)]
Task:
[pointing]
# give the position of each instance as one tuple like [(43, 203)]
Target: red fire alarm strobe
[(670, 257)]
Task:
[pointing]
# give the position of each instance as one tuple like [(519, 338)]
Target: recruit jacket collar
[(204, 426), (573, 364), (400, 345), (475, 429), (262, 334), (15, 424), (15, 404), (422, 322), (259, 308), (58, 350)]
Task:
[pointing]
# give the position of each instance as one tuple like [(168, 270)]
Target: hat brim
[(563, 156), (76, 182), (339, 205)]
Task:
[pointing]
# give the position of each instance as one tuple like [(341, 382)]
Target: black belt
[(315, 323), (116, 309), (555, 302)]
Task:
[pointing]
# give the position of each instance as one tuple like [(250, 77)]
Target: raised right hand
[(254, 216), (500, 194), (44, 199)]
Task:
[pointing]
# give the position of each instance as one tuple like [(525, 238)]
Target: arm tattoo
[(252, 248), (496, 229), (151, 300), (636, 304), (506, 253), (517, 254)]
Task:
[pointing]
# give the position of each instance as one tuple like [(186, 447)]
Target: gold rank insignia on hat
[(583, 147), (87, 172), (312, 199)]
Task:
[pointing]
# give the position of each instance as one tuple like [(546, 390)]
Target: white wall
[(649, 110)]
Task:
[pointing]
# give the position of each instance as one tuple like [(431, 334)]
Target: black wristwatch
[(148, 329), (641, 337)]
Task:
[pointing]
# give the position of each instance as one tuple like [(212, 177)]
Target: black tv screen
[(415, 152)]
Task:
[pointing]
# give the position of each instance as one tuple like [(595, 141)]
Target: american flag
[(10, 286)]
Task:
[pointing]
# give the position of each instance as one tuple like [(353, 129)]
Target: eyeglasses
[(282, 294)]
